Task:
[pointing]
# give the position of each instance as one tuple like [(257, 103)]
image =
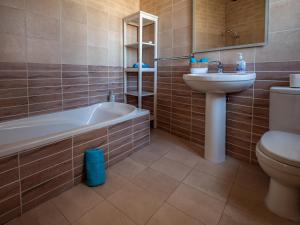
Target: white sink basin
[(216, 85), (220, 82)]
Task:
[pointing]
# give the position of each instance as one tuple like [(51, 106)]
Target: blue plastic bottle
[(193, 59), (95, 167)]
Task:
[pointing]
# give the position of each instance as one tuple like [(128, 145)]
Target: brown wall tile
[(121, 150), (42, 164), (9, 204), (10, 215), (8, 163), (9, 190), (9, 176), (45, 175), (91, 144), (47, 196), (119, 134), (118, 143), (45, 151), (46, 187), (119, 126), (83, 138)]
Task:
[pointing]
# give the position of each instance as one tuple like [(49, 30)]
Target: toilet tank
[(285, 109)]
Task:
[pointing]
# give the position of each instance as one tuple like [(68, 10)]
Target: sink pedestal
[(215, 127), (216, 86)]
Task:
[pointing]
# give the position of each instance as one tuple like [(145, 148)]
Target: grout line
[(237, 146), (179, 183), (61, 57), (52, 178), (35, 113), (26, 63), (20, 185), (9, 171), (229, 194), (50, 167), (6, 213), (45, 193), (89, 141), (45, 157), (237, 129), (73, 168), (108, 147)]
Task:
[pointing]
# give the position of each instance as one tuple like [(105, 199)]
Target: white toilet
[(278, 152)]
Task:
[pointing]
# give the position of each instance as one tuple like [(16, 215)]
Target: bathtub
[(34, 131), (43, 156)]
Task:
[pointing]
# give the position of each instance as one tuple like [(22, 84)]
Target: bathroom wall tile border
[(28, 89), (34, 176), (181, 111)]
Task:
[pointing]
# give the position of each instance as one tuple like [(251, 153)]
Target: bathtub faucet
[(111, 97)]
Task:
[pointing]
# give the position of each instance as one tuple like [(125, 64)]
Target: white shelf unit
[(140, 20)]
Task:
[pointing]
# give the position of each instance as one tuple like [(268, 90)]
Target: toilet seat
[(281, 146)]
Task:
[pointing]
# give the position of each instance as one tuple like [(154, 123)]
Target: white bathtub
[(35, 131)]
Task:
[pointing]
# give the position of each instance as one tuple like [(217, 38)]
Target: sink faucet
[(220, 66)]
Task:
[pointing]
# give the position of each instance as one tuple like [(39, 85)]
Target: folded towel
[(136, 65)]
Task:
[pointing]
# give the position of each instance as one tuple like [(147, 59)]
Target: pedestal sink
[(216, 85)]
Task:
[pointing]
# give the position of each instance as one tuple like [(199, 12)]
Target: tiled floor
[(164, 184)]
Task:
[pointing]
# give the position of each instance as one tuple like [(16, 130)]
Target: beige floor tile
[(247, 206), (128, 168), (113, 183), (240, 216), (165, 140), (160, 148), (171, 168), (227, 220), (155, 182), (197, 204), (170, 143), (183, 156), (226, 171), (246, 198), (104, 214), (162, 144), (255, 216), (136, 203), (160, 135), (211, 185), (168, 215), (77, 201), (45, 214), (147, 155), (259, 180)]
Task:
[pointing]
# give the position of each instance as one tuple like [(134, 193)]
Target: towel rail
[(172, 58)]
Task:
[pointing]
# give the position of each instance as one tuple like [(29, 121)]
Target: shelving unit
[(139, 21)]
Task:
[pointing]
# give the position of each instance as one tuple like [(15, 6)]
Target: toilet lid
[(282, 146)]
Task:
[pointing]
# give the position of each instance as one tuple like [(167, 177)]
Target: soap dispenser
[(241, 64)]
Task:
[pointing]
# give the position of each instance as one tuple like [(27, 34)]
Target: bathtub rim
[(34, 143)]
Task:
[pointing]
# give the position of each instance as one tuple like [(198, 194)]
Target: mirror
[(229, 24)]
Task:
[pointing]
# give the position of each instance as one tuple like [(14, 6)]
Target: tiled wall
[(80, 32), (182, 111), (33, 176), (59, 54), (31, 89), (214, 18), (210, 23), (243, 17)]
